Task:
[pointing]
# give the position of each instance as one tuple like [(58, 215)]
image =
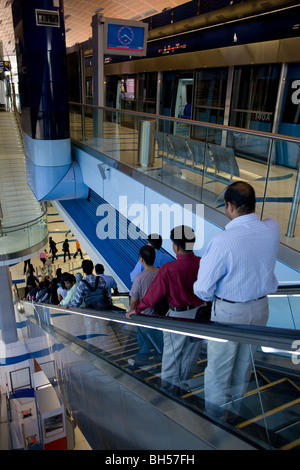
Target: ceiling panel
[(79, 15)]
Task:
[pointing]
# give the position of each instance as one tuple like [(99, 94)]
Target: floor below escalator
[(269, 412)]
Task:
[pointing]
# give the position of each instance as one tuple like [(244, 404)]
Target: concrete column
[(8, 324)]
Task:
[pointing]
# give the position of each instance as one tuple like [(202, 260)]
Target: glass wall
[(254, 95), (209, 101), (198, 167), (147, 92), (255, 397)]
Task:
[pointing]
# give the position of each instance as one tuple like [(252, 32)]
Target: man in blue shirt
[(236, 272), (110, 281), (161, 258)]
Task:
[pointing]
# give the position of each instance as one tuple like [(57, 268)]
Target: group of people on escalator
[(229, 284)]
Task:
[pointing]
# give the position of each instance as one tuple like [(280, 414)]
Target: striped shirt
[(239, 262)]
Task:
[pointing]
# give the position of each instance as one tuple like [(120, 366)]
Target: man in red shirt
[(175, 282)]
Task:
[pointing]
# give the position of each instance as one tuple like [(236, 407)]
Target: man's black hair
[(147, 252), (87, 266), (155, 240), (99, 268), (68, 277), (242, 196), (184, 237)]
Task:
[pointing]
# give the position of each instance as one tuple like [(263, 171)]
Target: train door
[(113, 96), (183, 105), (118, 100), (168, 93), (253, 102), (210, 102), (177, 90), (147, 92), (128, 96)]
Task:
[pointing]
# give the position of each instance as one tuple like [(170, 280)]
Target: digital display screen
[(125, 38), (47, 18)]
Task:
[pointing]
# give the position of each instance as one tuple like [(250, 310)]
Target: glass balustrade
[(19, 238), (199, 160), (255, 395), (23, 223)]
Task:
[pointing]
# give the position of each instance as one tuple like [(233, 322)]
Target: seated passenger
[(161, 258), (92, 290), (147, 338)]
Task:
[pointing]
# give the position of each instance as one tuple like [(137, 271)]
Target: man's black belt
[(233, 302), (182, 309)]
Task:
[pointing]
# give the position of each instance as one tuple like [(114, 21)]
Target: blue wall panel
[(120, 254)]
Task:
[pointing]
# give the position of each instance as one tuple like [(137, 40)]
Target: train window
[(209, 101), (147, 92), (254, 97), (211, 88)]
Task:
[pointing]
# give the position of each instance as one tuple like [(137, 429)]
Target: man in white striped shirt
[(236, 272)]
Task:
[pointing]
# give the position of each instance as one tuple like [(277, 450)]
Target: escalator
[(278, 424), (266, 417)]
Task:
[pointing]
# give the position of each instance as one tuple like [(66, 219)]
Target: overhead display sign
[(122, 37), (47, 18)]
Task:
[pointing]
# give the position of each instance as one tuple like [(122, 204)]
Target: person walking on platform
[(78, 250), (236, 273), (66, 249), (27, 263), (175, 281), (53, 250)]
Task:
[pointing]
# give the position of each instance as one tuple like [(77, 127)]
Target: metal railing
[(111, 337), (198, 159)]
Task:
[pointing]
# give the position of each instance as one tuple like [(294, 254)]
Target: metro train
[(236, 66)]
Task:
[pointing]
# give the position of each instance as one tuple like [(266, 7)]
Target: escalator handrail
[(288, 290), (277, 338)]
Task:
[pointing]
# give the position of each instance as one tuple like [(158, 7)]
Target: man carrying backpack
[(92, 290)]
